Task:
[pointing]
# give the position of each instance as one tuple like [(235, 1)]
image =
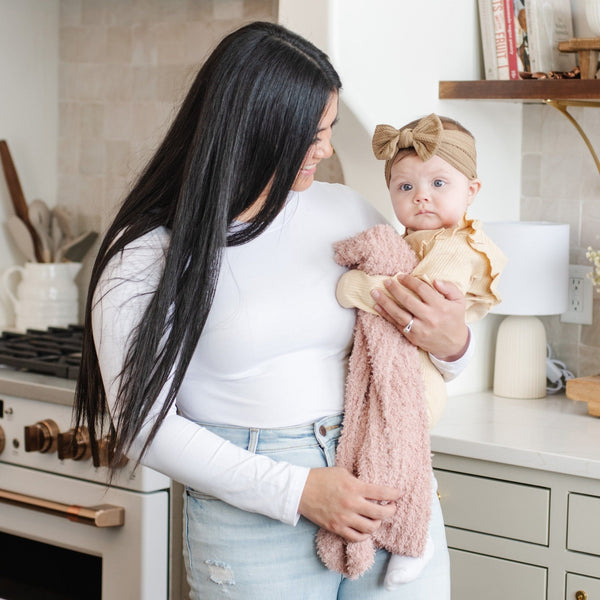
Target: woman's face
[(319, 150), (321, 147)]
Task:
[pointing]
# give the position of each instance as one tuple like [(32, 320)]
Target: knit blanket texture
[(385, 435)]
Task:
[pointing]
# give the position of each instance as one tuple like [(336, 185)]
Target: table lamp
[(533, 283)]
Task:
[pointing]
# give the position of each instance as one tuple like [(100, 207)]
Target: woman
[(213, 336)]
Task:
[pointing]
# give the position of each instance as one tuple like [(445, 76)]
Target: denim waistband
[(250, 438)]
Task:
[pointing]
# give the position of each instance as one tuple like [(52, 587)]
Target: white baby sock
[(402, 569)]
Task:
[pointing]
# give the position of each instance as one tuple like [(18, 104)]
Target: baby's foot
[(402, 569)]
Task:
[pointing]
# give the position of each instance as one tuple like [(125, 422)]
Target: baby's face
[(431, 194)]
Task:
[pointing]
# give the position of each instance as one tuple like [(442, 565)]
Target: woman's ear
[(473, 190)]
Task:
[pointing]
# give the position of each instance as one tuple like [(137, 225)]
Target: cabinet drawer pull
[(580, 595)]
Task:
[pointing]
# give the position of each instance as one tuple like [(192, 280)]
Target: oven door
[(54, 549)]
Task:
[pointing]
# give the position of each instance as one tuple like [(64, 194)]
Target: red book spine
[(511, 40)]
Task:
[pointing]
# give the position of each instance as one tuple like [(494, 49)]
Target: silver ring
[(408, 326)]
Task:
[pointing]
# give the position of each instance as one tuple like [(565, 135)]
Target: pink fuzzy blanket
[(385, 436)]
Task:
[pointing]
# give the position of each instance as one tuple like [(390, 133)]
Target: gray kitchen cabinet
[(582, 588), (479, 576), (501, 508), (517, 533), (583, 531), (519, 485)]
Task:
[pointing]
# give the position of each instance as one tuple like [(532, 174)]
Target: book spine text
[(500, 36)]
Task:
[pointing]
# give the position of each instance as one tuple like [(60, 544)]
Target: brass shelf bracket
[(563, 105)]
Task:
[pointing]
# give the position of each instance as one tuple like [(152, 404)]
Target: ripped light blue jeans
[(231, 553)]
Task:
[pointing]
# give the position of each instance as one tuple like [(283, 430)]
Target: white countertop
[(552, 434)]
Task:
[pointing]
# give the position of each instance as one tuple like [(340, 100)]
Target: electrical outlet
[(580, 296)]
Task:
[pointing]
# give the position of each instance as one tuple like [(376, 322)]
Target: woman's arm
[(182, 450)]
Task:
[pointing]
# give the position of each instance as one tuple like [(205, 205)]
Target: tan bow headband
[(428, 138)]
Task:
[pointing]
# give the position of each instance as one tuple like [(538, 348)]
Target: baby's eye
[(406, 187), (439, 183)]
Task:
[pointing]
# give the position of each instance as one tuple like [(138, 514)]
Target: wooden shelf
[(523, 90), (558, 93)]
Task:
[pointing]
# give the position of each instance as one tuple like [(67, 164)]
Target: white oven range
[(64, 533)]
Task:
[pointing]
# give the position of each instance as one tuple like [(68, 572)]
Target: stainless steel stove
[(64, 533)]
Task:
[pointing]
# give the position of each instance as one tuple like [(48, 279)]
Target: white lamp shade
[(534, 282), (535, 279)]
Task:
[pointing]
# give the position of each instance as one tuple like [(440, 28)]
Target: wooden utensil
[(22, 237), (39, 215), (63, 217), (77, 248), (17, 197), (56, 235)]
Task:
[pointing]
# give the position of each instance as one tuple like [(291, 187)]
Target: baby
[(431, 173)]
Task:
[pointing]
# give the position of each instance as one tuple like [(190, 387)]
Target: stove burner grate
[(54, 351)]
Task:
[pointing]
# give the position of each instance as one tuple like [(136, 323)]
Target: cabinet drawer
[(502, 508), (584, 524), (476, 576), (590, 586)]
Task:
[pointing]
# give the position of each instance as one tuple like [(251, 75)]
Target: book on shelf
[(523, 35), (549, 22), (511, 42), (518, 41), (488, 40), (501, 42)]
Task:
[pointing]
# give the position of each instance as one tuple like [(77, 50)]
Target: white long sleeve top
[(272, 354)]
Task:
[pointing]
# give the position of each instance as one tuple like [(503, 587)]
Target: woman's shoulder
[(344, 204), (334, 192), (141, 259)]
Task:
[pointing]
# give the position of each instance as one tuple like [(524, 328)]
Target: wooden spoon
[(77, 248), (39, 215), (17, 197), (22, 237), (56, 235), (65, 221)]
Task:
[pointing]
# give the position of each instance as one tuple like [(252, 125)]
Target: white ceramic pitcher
[(46, 296)]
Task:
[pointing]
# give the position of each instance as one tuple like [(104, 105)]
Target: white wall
[(28, 110), (391, 56)]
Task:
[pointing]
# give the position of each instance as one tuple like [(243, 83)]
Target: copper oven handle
[(103, 515)]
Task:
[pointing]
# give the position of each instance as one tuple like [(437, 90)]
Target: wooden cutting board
[(586, 389)]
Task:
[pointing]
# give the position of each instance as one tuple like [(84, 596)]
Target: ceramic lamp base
[(520, 368)]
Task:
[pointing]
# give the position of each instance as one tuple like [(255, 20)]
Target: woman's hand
[(437, 313), (339, 502)]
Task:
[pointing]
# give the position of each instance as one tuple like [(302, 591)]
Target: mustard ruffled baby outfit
[(463, 255)]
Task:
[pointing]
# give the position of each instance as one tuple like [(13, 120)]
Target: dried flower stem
[(594, 257)]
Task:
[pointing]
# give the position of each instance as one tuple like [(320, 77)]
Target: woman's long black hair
[(247, 122)]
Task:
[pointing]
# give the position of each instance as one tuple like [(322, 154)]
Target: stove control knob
[(2, 440), (41, 437), (106, 455), (74, 444)]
